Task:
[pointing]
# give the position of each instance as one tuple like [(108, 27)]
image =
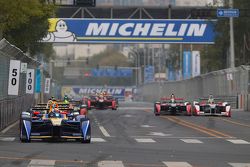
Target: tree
[(217, 55), (109, 58), (24, 23)]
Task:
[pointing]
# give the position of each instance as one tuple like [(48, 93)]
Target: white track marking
[(176, 137), (147, 126), (145, 140), (177, 164), (7, 138), (159, 134), (193, 141), (9, 127), (104, 132), (240, 164), (238, 141), (41, 163), (97, 140), (110, 164), (127, 116)]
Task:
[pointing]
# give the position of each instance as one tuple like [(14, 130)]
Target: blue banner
[(38, 81), (111, 72), (187, 64), (171, 73), (130, 31), (149, 74)]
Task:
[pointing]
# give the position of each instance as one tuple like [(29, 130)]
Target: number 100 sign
[(30, 81)]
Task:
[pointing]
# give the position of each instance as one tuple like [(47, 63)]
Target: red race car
[(102, 102), (206, 107)]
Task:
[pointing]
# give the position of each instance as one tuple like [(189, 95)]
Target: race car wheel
[(155, 111), (88, 137), (23, 136)]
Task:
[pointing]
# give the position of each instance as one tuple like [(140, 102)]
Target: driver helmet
[(65, 97), (83, 106)]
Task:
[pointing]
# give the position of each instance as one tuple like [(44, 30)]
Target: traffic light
[(97, 66), (202, 13), (85, 3)]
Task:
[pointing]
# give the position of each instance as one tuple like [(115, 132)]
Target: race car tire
[(23, 136), (156, 114), (155, 111), (88, 140), (88, 135)]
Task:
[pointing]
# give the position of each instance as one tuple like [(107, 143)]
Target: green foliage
[(109, 58), (217, 55), (24, 23)]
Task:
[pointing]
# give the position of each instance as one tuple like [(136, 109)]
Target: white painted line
[(127, 116), (159, 134), (110, 164), (41, 163), (145, 140), (147, 126), (97, 140), (104, 132), (177, 164), (9, 127), (238, 141), (240, 164), (174, 137), (192, 141), (7, 138)]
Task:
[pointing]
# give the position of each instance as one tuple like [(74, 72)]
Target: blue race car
[(54, 125)]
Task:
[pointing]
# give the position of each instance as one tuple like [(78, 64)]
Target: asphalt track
[(133, 137)]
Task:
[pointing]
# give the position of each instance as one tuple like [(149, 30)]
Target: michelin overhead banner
[(130, 31)]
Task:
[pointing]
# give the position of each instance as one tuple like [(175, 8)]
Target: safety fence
[(231, 85), (12, 105)]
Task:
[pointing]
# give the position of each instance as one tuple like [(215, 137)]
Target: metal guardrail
[(10, 109), (12, 106)]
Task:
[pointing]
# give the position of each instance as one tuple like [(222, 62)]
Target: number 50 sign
[(14, 75)]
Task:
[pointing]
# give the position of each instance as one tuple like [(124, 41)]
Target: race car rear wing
[(176, 99), (45, 104), (44, 108)]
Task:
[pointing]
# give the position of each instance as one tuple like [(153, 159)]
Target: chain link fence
[(11, 106), (231, 85)]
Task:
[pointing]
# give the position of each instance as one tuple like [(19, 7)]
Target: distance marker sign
[(14, 74), (30, 81)]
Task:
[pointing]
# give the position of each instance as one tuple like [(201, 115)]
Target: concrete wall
[(230, 84)]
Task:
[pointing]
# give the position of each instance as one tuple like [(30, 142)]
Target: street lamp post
[(232, 51)]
